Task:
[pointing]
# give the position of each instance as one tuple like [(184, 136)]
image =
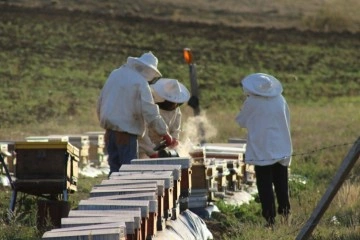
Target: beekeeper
[(169, 95), (125, 106), (265, 115)]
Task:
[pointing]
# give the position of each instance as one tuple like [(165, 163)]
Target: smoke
[(196, 131)]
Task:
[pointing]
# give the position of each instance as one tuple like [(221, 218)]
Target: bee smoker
[(165, 153)]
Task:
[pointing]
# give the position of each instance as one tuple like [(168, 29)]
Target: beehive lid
[(184, 162), (116, 204), (176, 169), (48, 145), (162, 175)]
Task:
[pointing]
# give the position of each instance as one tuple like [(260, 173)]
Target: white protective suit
[(267, 120), (152, 138), (126, 103)]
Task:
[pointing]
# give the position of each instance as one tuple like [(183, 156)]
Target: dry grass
[(348, 195)]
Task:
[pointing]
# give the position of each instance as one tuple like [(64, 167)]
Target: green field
[(53, 64)]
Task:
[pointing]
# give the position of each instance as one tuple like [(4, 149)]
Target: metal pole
[(194, 90), (194, 101)]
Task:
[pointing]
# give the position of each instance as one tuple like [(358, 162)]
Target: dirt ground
[(331, 15)]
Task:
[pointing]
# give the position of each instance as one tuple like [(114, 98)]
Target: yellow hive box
[(46, 167)]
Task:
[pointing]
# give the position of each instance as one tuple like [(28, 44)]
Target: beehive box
[(199, 176), (97, 232), (126, 195), (176, 169), (46, 167), (144, 205), (185, 163), (136, 214), (162, 175), (96, 147), (80, 141), (8, 147)]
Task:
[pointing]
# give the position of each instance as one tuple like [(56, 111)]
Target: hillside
[(67, 55), (319, 15)]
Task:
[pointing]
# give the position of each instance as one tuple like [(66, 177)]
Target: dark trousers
[(122, 147), (270, 178)]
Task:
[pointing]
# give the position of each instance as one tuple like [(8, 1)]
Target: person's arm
[(244, 113), (152, 115), (98, 106), (146, 144), (175, 128)]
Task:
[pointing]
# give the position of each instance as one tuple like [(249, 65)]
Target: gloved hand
[(154, 155), (168, 139), (174, 143)]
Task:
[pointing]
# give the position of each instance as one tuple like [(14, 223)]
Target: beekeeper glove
[(168, 139), (154, 155), (174, 143)]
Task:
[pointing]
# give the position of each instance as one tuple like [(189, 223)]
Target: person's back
[(125, 106), (268, 122), (123, 89)]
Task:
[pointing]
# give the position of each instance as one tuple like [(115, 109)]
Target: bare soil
[(335, 15)]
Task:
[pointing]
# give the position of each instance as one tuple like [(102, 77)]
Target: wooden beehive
[(186, 171), (136, 214), (8, 147), (96, 147), (46, 167), (83, 144), (162, 175), (105, 205), (116, 230), (143, 195)]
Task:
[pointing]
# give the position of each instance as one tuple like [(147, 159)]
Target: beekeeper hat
[(171, 90), (147, 59), (262, 84)]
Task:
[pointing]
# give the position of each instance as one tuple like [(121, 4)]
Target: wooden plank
[(176, 169), (184, 162), (116, 204), (115, 190), (121, 204), (163, 175), (331, 191), (141, 185), (116, 182), (128, 220), (135, 213), (134, 185), (138, 196), (95, 234)]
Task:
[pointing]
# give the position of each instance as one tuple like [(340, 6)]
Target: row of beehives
[(219, 166), (134, 203), (91, 147), (214, 168), (137, 201)]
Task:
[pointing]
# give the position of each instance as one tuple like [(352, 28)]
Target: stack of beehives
[(137, 200), (218, 167), (97, 147), (90, 144)]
